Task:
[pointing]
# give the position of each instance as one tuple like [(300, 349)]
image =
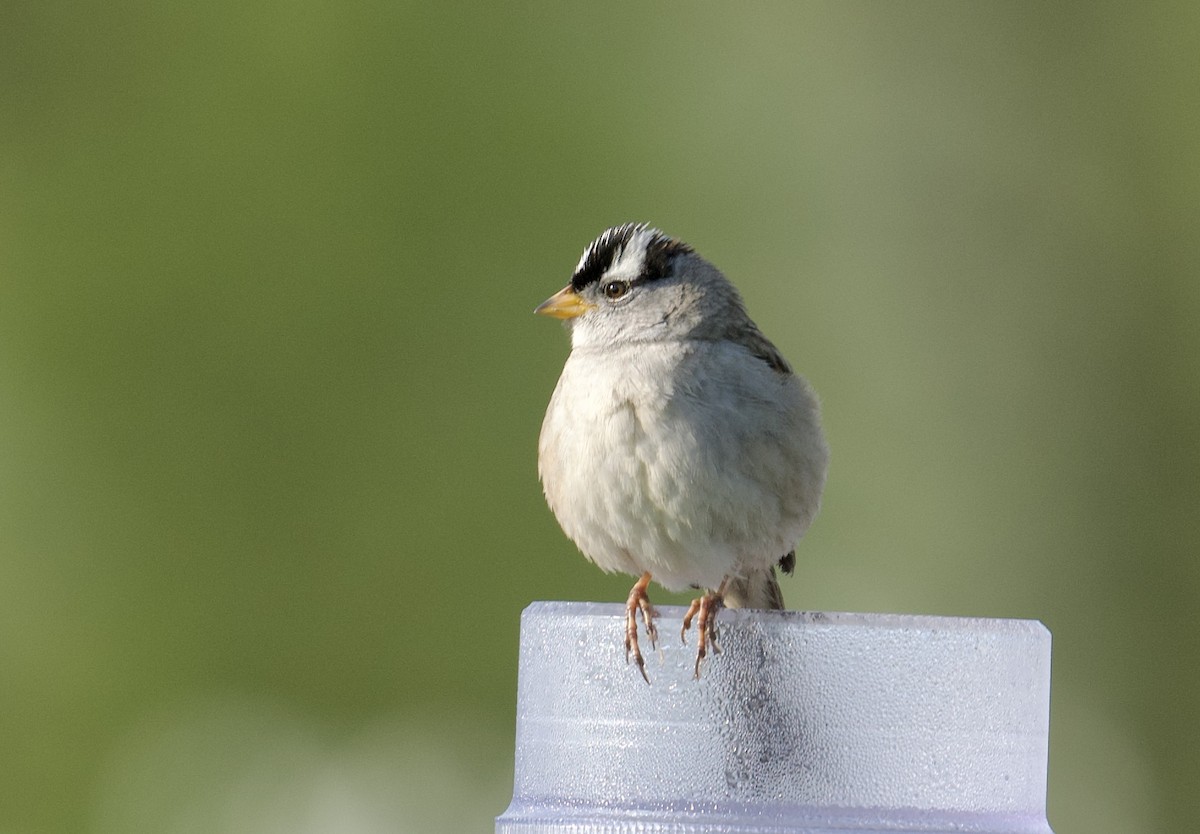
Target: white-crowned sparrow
[(678, 444)]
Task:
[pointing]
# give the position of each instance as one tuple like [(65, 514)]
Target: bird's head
[(635, 284)]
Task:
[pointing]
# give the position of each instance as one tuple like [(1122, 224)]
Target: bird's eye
[(615, 289)]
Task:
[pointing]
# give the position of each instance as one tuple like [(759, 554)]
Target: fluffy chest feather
[(671, 458)]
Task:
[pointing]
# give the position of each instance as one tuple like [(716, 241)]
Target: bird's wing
[(752, 338)]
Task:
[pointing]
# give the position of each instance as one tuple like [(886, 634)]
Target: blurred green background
[(270, 385)]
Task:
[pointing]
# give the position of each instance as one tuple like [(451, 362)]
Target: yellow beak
[(564, 304)]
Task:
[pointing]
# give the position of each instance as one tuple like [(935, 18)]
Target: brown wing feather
[(758, 344)]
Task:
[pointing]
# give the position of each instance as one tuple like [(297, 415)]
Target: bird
[(679, 446)]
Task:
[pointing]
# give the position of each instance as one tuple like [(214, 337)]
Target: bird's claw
[(704, 610), (639, 600)]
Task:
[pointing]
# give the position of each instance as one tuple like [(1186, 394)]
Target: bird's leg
[(704, 609), (639, 600)]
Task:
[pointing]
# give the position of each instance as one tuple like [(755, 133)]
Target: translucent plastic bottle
[(814, 723)]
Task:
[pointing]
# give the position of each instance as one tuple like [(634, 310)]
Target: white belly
[(694, 478)]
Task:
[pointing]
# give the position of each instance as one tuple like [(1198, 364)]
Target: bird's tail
[(754, 590)]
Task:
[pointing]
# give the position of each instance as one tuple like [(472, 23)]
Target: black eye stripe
[(602, 253)]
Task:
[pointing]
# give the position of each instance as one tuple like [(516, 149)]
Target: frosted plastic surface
[(803, 723)]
